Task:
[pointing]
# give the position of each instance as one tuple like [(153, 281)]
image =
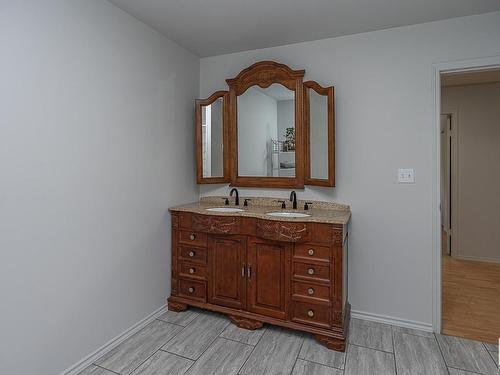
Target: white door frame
[(437, 70)]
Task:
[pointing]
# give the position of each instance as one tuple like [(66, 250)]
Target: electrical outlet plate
[(406, 176)]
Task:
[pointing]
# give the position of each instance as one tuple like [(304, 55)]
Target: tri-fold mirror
[(270, 129)]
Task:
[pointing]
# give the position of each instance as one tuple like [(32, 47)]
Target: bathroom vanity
[(260, 263), (259, 268)]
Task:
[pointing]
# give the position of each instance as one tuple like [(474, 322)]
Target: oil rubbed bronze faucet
[(293, 199), (237, 199)]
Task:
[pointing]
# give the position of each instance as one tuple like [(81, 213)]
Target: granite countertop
[(321, 212)]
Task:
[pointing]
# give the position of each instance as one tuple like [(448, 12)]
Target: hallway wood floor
[(471, 299)]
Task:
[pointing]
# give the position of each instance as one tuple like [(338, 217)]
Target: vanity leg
[(245, 323), (176, 306), (331, 343)]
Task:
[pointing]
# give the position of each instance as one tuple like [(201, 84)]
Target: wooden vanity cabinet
[(286, 273)]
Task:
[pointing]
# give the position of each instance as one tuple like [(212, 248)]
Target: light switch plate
[(406, 176)]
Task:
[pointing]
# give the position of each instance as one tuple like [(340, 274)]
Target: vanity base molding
[(332, 338), (291, 274)]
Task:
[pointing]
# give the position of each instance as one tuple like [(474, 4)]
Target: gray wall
[(96, 142), (384, 121), (475, 113)]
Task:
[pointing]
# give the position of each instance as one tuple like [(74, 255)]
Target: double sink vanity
[(265, 260)]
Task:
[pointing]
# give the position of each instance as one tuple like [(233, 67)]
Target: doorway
[(469, 172)]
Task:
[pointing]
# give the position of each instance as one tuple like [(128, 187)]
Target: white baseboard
[(391, 320), (92, 357)]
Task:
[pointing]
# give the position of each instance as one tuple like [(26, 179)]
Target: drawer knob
[(310, 291), (191, 271), (310, 252), (310, 313), (310, 271), (191, 254), (192, 236), (191, 289)]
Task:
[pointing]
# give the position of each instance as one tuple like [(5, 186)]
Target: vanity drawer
[(311, 271), (193, 238), (193, 289), (312, 252), (308, 313), (192, 270), (309, 292), (193, 254)]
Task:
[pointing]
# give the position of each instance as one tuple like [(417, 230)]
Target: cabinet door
[(226, 281), (267, 277)]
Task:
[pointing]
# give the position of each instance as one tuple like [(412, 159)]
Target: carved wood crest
[(215, 224), (282, 231), (264, 74)]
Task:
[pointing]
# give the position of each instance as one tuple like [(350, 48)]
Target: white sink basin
[(225, 209), (287, 214)]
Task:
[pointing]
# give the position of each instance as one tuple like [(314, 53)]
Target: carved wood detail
[(216, 224), (338, 236), (176, 306), (245, 323), (331, 342), (264, 74), (175, 221), (337, 318), (282, 231)]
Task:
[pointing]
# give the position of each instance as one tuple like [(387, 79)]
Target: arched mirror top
[(264, 74)]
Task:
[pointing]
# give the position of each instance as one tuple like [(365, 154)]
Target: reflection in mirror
[(212, 139), (318, 135), (266, 132)]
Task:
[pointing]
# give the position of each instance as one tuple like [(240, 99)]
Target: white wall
[(255, 129), (96, 142), (384, 121), (476, 109)]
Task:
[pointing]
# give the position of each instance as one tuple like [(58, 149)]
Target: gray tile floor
[(197, 342)]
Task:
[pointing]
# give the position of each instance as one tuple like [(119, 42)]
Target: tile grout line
[(367, 347), (394, 350), (322, 364), (459, 369), (104, 368), (442, 355), (246, 360), (493, 359), (239, 342), (157, 350), (298, 354)]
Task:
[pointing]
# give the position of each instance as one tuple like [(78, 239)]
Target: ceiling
[(470, 78), (214, 27)]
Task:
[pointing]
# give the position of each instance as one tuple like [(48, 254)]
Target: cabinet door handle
[(310, 291), (310, 271), (310, 252), (191, 254), (249, 271), (243, 271), (310, 313), (192, 236), (191, 271), (191, 289)]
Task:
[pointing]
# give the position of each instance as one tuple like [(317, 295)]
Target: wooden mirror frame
[(264, 74), (329, 93), (225, 139)]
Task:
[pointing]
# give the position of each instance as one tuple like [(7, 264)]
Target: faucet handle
[(306, 205), (226, 201), (245, 202), (283, 204)]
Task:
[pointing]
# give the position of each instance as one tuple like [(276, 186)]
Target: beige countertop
[(321, 212)]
